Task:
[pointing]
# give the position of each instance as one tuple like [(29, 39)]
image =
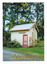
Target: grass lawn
[(36, 49)]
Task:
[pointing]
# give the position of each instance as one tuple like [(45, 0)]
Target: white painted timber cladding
[(35, 31), (19, 37), (30, 34)]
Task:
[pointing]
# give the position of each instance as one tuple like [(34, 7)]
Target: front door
[(25, 40)]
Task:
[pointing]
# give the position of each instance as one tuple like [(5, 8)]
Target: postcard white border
[(45, 34)]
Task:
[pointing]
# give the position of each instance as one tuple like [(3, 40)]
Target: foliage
[(17, 45), (39, 13), (4, 42), (13, 43), (10, 44), (41, 31), (19, 10), (41, 38), (24, 4), (38, 40), (6, 37)]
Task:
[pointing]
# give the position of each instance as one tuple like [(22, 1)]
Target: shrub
[(5, 40), (10, 44), (13, 43), (17, 45), (38, 41), (41, 38)]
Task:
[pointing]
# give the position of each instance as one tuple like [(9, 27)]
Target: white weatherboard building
[(25, 34)]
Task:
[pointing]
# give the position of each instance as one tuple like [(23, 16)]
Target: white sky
[(6, 28), (6, 22)]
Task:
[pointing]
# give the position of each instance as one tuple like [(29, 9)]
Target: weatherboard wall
[(19, 36), (30, 35)]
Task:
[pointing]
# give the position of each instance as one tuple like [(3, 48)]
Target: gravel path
[(9, 55)]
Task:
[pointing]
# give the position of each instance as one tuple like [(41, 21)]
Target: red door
[(25, 40)]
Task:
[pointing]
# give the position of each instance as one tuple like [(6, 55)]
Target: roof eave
[(19, 30)]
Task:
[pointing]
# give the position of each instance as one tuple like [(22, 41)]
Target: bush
[(13, 43), (17, 45), (5, 40), (41, 38), (10, 44)]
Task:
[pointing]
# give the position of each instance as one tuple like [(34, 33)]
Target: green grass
[(36, 49), (41, 43)]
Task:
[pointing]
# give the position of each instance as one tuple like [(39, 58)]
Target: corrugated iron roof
[(22, 27)]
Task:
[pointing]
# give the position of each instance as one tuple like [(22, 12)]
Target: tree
[(39, 13), (40, 18), (4, 17), (15, 10)]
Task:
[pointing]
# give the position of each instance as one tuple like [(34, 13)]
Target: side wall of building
[(33, 35), (19, 36), (30, 36)]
